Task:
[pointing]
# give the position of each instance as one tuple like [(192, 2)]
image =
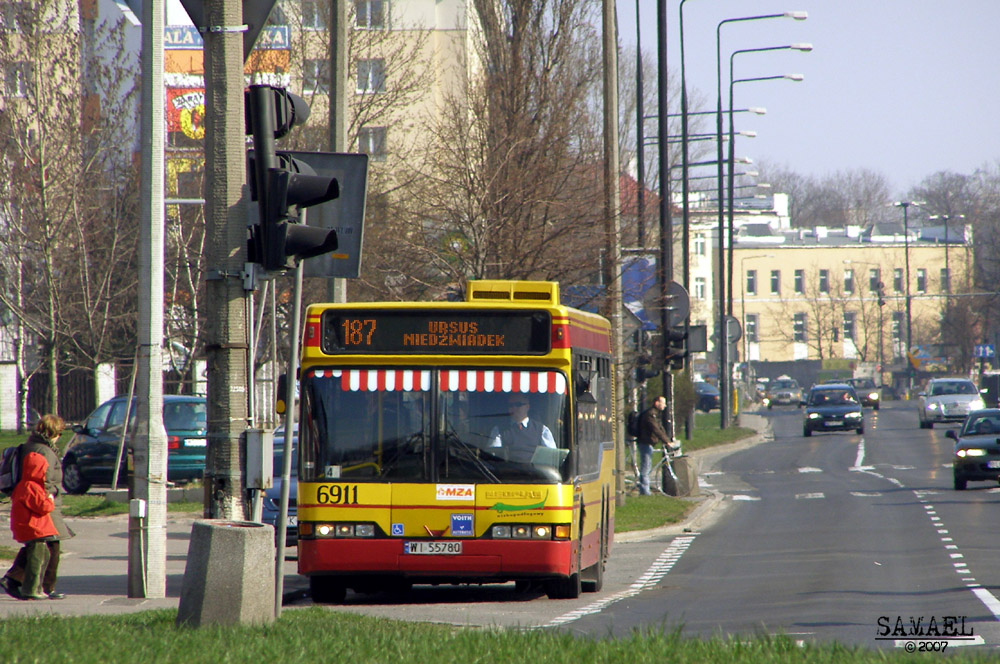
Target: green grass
[(707, 433), (319, 635), (646, 512)]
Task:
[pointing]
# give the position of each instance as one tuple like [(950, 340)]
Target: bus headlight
[(535, 531), (338, 529)]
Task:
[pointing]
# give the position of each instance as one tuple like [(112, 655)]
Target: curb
[(714, 499)]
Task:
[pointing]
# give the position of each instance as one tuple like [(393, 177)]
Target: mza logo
[(456, 492), (461, 525)]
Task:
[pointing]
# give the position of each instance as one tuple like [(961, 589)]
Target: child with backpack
[(42, 442), (31, 524)]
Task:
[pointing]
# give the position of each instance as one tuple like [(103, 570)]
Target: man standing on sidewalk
[(651, 433)]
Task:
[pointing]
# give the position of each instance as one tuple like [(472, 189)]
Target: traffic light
[(675, 348), (644, 368), (283, 186)]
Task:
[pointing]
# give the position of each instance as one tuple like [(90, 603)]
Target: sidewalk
[(93, 570)]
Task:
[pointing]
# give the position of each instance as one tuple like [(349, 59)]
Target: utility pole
[(147, 523), (337, 288), (612, 234), (666, 261), (225, 239)]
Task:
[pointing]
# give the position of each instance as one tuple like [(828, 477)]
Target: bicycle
[(660, 467)]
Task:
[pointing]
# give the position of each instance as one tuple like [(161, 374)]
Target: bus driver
[(522, 435)]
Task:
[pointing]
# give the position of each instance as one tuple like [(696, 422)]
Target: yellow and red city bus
[(404, 474)]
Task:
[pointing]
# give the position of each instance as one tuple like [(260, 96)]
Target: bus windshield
[(435, 425)]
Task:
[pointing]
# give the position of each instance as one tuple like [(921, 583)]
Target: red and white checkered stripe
[(456, 380)]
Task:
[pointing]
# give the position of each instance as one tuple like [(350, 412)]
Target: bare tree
[(510, 186), (67, 199)]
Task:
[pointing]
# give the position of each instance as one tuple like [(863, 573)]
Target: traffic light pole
[(225, 241)]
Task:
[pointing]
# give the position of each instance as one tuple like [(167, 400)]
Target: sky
[(904, 88)]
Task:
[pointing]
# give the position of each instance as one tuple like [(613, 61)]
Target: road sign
[(984, 350)]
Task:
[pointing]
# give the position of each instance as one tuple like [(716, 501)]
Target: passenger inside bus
[(522, 434)]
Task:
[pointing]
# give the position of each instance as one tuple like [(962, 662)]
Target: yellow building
[(824, 294)]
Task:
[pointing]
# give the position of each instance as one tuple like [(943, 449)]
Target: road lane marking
[(659, 569), (809, 496)]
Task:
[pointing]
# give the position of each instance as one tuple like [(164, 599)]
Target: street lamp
[(909, 310), (880, 294), (723, 342), (805, 48), (743, 312)]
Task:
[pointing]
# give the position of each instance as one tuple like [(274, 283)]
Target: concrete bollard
[(229, 575)]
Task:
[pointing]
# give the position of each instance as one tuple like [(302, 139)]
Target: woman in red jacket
[(31, 524)]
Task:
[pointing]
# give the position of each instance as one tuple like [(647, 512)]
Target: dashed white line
[(659, 569)]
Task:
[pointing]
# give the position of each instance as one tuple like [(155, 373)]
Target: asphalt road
[(838, 537)]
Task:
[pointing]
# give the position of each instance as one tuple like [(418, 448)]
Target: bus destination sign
[(437, 332)]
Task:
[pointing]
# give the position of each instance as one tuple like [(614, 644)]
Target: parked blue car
[(90, 457)]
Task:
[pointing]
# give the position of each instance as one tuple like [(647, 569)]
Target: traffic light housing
[(644, 369), (283, 186), (675, 347)]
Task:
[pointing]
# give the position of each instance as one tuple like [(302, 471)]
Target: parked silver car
[(948, 400)]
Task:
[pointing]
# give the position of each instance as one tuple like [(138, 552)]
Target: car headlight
[(813, 416), (972, 452), (873, 396), (976, 404), (853, 415), (933, 406)]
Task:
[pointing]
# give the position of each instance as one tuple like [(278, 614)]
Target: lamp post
[(909, 310), (722, 339), (640, 200), (743, 311), (880, 294), (947, 269), (804, 48)]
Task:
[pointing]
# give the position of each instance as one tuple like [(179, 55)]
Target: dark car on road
[(977, 448), (867, 391), (90, 456), (706, 396), (832, 407)]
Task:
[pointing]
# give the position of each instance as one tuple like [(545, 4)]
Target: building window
[(699, 244), (850, 320), (897, 325), (921, 280), (874, 280), (751, 282), (371, 141), (699, 288), (314, 14), (945, 280), (316, 76), (799, 281), (848, 281), (370, 14), (799, 328), (752, 325), (824, 281), (17, 79), (775, 282), (371, 75), (897, 280)]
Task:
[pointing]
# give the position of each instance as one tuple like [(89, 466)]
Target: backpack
[(632, 424), (10, 469)]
